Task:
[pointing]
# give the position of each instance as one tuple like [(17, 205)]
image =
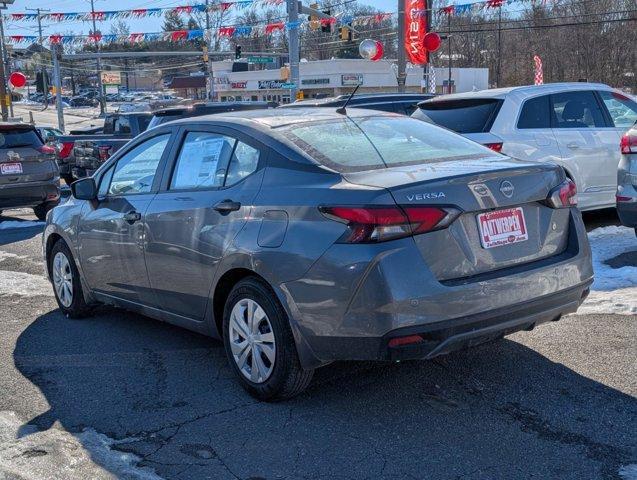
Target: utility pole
[(45, 84), (6, 67), (211, 74), (99, 64), (449, 54), (3, 78), (57, 80), (294, 52), (425, 67), (497, 76), (401, 75)]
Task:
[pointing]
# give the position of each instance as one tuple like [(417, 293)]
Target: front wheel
[(66, 281), (259, 343)]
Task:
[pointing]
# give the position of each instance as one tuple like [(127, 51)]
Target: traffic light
[(237, 52), (345, 33), (326, 27)]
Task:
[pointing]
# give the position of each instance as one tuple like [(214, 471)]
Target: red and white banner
[(539, 72), (415, 30)]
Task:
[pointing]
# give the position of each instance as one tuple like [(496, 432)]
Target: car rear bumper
[(29, 194), (627, 210), (395, 294)]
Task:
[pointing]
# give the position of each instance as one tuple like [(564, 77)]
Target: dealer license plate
[(502, 227), (10, 168)]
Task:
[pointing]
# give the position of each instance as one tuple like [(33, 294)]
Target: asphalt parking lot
[(122, 396)]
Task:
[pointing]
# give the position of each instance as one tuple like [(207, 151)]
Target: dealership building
[(322, 78)]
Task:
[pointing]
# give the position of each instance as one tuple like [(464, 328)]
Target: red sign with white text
[(415, 30)]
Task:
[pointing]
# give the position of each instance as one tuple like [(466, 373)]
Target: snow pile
[(24, 284), (614, 289), (26, 453)]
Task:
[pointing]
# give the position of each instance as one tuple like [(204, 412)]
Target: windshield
[(19, 137), (462, 116), (351, 144)]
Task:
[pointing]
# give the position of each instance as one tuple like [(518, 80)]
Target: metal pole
[(57, 79), (7, 67), (449, 53), (99, 64), (3, 80), (425, 67), (294, 52), (497, 77), (45, 84), (401, 75), (211, 73)]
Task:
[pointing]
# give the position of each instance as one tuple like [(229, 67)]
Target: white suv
[(576, 125)]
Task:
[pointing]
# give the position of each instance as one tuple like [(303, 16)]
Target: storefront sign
[(415, 30), (351, 79), (315, 81), (111, 78), (237, 85), (271, 84)]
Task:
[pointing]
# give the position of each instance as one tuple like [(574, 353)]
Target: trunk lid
[(478, 186), (21, 157)]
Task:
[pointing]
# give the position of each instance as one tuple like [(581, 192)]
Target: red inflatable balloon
[(18, 79), (432, 41), (379, 52)]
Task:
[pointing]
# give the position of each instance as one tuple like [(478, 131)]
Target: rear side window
[(203, 161), (622, 109), (535, 113), (350, 144), (577, 110), (19, 137), (463, 116)]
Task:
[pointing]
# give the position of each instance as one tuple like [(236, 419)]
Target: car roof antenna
[(342, 110)]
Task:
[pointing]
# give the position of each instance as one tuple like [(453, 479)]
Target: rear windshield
[(19, 137), (364, 143), (462, 116), (163, 118)]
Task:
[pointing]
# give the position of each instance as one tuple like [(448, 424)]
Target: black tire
[(288, 378), (42, 209), (78, 307)]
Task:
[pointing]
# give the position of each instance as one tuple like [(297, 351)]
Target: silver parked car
[(627, 180), (301, 237), (29, 175)]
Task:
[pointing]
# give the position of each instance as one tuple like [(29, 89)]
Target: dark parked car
[(83, 101), (627, 180), (403, 103), (305, 236), (199, 109), (29, 176)]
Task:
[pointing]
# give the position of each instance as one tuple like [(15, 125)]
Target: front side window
[(535, 113), (577, 110), (622, 109), (135, 171), (350, 144), (203, 161)]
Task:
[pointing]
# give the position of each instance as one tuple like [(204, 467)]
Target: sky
[(136, 25)]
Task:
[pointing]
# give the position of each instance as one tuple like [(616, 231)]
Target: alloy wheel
[(63, 279), (252, 340)]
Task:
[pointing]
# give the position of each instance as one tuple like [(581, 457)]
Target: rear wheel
[(259, 343), (42, 209), (66, 281)]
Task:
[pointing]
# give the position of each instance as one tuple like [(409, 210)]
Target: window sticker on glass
[(202, 161)]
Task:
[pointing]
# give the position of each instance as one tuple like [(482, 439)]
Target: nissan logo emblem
[(506, 188)]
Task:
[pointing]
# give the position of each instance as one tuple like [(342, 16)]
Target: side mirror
[(84, 189)]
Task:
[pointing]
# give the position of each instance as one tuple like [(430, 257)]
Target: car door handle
[(132, 217), (573, 145), (227, 206)]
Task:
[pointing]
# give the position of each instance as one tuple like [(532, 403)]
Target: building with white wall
[(335, 77)]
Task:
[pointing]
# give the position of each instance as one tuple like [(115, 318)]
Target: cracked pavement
[(556, 402)]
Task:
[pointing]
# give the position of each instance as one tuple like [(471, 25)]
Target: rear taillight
[(628, 143), (104, 152), (564, 195), (64, 149), (379, 224), (47, 150), (623, 198), (496, 147)]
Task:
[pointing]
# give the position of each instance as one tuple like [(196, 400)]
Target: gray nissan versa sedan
[(301, 237)]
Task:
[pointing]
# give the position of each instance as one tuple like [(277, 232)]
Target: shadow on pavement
[(498, 411), (16, 229)]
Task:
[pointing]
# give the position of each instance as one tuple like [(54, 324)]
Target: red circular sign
[(432, 41), (18, 79)]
